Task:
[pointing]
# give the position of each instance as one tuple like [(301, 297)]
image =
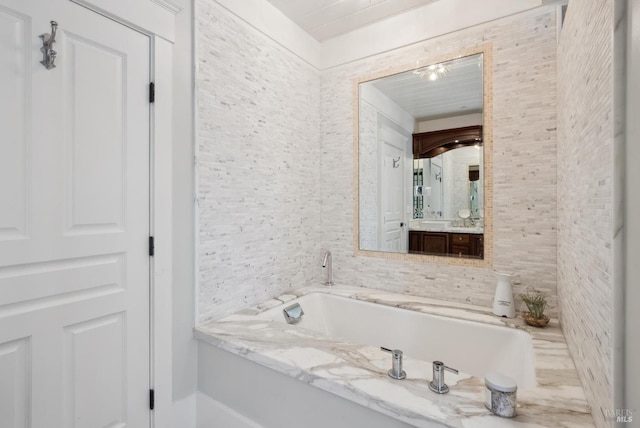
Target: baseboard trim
[(213, 414)]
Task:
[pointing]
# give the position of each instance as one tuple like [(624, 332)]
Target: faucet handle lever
[(395, 371), (437, 384), (449, 369), (391, 351)]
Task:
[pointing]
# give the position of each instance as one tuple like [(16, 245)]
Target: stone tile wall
[(258, 165), (275, 164), (369, 182), (585, 196), (524, 124)]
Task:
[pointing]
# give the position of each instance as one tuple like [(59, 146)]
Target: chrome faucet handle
[(437, 385), (395, 371)]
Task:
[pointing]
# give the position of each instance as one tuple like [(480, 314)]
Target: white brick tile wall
[(368, 122), (524, 115), (275, 164), (258, 154), (585, 196)]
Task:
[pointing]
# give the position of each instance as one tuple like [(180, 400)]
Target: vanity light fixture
[(432, 72)]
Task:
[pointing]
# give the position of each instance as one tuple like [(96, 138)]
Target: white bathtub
[(328, 370), (471, 347)]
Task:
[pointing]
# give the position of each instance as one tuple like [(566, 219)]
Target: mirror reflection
[(421, 168)]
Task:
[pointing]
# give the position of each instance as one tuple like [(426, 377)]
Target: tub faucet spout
[(326, 263)]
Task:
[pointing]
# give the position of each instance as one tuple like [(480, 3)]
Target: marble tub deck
[(358, 372)]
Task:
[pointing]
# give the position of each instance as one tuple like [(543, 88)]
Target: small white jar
[(500, 394)]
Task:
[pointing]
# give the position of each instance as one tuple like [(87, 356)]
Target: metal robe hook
[(48, 54)]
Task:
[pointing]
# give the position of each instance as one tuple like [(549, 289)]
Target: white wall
[(450, 122), (269, 21), (258, 151), (586, 185), (631, 370), (183, 287), (429, 21), (432, 20), (368, 164)]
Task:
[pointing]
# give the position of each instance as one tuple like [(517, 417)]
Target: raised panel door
[(74, 222)]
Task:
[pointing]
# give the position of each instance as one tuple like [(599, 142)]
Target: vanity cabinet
[(428, 242), (476, 245), (433, 143), (446, 243), (459, 244), (415, 242)]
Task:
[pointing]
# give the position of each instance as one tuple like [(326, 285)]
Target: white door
[(74, 220), (392, 190)]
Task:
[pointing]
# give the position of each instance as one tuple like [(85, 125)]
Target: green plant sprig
[(536, 302)]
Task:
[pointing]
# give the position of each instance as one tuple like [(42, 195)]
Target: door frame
[(157, 21)]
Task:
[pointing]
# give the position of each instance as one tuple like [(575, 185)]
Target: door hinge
[(152, 92), (152, 246), (152, 399)]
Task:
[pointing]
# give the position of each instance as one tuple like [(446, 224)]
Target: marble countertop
[(448, 229), (359, 372)]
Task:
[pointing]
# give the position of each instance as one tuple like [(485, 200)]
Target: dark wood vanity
[(470, 245), (434, 143), (431, 144)]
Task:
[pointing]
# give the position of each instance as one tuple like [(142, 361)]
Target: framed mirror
[(423, 161)]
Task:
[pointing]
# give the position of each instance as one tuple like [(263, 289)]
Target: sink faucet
[(326, 263)]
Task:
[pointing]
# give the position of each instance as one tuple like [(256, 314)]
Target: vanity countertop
[(359, 372), (448, 229)]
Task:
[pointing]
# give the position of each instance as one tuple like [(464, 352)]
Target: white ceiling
[(325, 19), (458, 92)]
